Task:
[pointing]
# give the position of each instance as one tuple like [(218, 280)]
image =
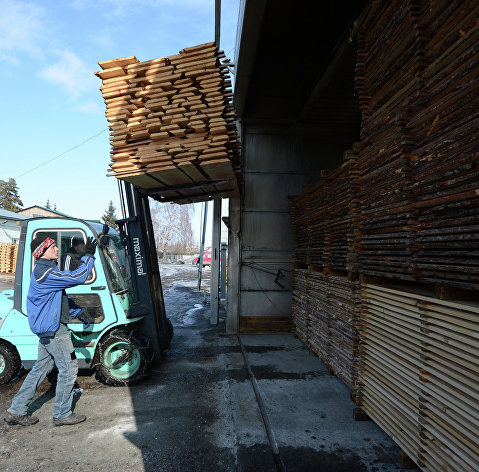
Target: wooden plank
[(170, 175), (191, 170), (120, 62), (218, 169)]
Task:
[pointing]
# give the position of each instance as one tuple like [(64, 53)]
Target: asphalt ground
[(216, 402)]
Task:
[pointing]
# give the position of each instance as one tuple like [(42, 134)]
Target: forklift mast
[(136, 232)]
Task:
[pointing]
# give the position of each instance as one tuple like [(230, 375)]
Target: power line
[(63, 153)]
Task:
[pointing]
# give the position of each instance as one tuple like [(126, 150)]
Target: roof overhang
[(295, 62)]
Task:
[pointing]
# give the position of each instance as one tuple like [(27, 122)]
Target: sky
[(54, 130)]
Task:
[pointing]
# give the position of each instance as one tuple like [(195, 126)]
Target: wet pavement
[(200, 410)]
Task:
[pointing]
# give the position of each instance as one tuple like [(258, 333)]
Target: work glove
[(85, 318), (90, 246)]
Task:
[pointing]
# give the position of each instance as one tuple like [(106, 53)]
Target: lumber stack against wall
[(416, 224), (172, 125), (318, 316), (8, 257), (299, 209), (420, 380), (326, 315), (341, 220), (317, 222), (323, 221), (419, 354), (387, 82), (417, 77), (299, 291), (445, 161)]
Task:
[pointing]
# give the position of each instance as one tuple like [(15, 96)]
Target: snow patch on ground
[(167, 270), (190, 316)]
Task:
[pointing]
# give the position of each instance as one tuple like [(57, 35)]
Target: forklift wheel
[(10, 362), (123, 359)]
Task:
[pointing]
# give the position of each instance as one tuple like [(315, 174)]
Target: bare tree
[(172, 226)]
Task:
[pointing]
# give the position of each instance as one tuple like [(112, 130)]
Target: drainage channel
[(280, 467)]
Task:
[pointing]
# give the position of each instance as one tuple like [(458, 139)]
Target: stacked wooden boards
[(325, 302), (417, 78), (416, 225), (299, 207), (173, 130), (300, 303), (420, 375), (323, 220), (326, 314), (445, 162), (8, 257)]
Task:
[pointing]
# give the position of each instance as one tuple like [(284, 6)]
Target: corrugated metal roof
[(11, 215)]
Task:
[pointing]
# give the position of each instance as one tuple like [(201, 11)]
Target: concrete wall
[(276, 163)]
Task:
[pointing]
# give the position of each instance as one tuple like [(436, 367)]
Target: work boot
[(23, 420), (72, 419)]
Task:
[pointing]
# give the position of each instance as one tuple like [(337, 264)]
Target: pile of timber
[(324, 220), (445, 158), (299, 210), (299, 291), (418, 221), (344, 304), (318, 214), (387, 82), (417, 78), (341, 220), (385, 236), (8, 257), (420, 375), (387, 71), (318, 316), (326, 314), (173, 130), (415, 218)]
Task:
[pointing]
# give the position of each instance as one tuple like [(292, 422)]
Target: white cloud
[(71, 74), (122, 8), (22, 28), (92, 108), (103, 40)]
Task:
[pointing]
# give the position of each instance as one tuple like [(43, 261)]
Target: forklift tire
[(123, 359), (10, 362)]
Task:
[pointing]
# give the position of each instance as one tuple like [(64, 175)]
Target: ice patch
[(190, 315), (167, 270)]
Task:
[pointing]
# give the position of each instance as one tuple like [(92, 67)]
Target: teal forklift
[(123, 295)]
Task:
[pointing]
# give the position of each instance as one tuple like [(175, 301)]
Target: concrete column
[(215, 263), (234, 266)]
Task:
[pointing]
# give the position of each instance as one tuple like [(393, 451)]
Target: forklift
[(123, 295)]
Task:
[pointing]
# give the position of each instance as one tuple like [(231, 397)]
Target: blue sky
[(51, 101)]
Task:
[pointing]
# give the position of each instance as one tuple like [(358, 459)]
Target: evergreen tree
[(48, 205), (109, 216), (9, 198)]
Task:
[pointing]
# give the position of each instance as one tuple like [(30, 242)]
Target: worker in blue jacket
[(49, 310)]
